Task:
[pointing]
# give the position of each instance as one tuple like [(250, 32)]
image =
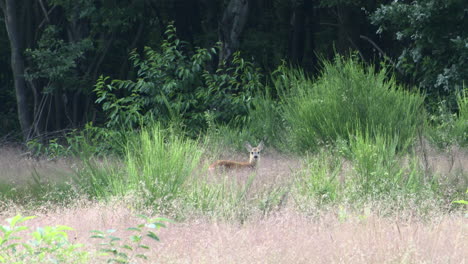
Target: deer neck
[(253, 161)]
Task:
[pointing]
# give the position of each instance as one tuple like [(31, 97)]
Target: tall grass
[(378, 169), (348, 97), (158, 163), (319, 183), (155, 166), (461, 124), (448, 128), (266, 121), (365, 170)]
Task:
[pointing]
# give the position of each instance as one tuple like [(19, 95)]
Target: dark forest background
[(53, 52)]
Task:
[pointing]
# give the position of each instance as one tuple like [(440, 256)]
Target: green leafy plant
[(447, 127), (46, 245), (378, 171), (52, 149), (129, 250), (319, 181), (172, 86), (156, 163), (433, 40)]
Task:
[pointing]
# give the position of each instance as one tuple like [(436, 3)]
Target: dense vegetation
[(58, 49), (141, 94)]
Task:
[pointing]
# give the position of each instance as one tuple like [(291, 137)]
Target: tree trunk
[(231, 27), (348, 28), (17, 66), (187, 20), (297, 32)]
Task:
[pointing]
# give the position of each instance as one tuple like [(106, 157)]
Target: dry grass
[(293, 238), (287, 237), (337, 235), (18, 168)]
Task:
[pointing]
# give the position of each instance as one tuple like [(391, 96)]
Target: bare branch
[(46, 16), (380, 51)]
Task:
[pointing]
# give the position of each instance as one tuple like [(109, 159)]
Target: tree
[(231, 26), (17, 64), (59, 47), (434, 38)]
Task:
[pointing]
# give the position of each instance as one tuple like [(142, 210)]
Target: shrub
[(129, 250), (346, 99), (48, 244), (156, 165), (448, 128), (319, 181), (172, 86)]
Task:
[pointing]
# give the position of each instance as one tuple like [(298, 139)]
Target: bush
[(159, 162), (448, 128), (172, 86), (348, 98), (156, 165), (319, 181), (48, 244), (378, 169)]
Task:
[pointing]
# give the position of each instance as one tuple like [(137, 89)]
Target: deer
[(233, 165)]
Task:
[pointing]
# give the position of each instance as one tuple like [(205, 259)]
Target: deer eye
[(251, 152)]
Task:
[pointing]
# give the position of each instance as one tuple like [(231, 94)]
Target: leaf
[(114, 238), (141, 256), (143, 246), (461, 202), (134, 229), (152, 235), (127, 247)]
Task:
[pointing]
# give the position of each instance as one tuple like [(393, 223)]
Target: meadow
[(355, 170)]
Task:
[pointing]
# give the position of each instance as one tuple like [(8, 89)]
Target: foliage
[(447, 128), (52, 150), (173, 86), (128, 251), (378, 171), (8, 115), (157, 163), (266, 120), (55, 60), (361, 171), (91, 141), (50, 244), (46, 245), (434, 41), (348, 98), (319, 181)]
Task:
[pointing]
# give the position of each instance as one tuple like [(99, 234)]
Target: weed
[(46, 245)]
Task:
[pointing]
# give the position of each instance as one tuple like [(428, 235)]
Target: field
[(373, 232), (356, 169)]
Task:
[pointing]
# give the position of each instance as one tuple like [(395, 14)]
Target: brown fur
[(251, 164)]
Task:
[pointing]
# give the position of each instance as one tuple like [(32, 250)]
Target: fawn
[(229, 164)]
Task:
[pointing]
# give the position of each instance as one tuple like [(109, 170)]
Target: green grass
[(37, 194), (447, 128), (156, 166), (348, 98), (319, 182), (349, 115), (380, 170)]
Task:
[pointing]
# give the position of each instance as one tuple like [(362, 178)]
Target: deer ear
[(248, 146), (260, 146)]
